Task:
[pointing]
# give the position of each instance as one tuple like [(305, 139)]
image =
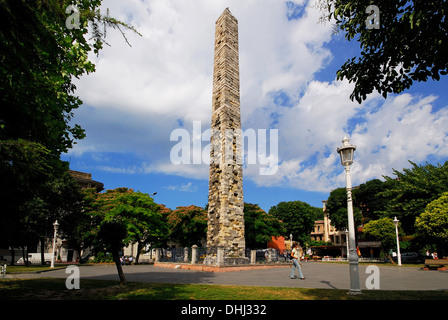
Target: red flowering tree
[(188, 225)]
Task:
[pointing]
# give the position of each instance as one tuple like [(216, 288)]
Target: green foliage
[(40, 58), (432, 224), (370, 200), (413, 189), (298, 218), (259, 226), (381, 230), (102, 257), (337, 209), (112, 235), (409, 46), (136, 211), (188, 225), (35, 191)]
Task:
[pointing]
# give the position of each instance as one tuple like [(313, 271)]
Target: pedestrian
[(295, 254)]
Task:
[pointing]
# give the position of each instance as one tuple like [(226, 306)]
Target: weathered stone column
[(220, 256), (194, 254), (226, 204), (253, 256)]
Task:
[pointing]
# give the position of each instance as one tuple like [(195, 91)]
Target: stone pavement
[(317, 274)]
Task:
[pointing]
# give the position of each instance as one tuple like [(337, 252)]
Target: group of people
[(126, 260)]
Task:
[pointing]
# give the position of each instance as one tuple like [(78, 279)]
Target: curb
[(215, 268)]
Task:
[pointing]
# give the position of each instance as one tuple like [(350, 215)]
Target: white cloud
[(188, 187), (387, 134), (404, 128)]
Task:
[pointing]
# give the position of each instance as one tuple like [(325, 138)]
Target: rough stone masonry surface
[(226, 204)]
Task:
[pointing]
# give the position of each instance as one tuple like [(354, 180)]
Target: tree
[(413, 189), (23, 166), (337, 209), (112, 235), (432, 224), (118, 217), (409, 45), (260, 226), (35, 192), (136, 211), (370, 200), (298, 218), (188, 225), (142, 218), (381, 230), (40, 57)]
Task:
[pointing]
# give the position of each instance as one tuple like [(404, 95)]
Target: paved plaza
[(317, 274)]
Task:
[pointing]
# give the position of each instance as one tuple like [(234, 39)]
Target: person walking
[(295, 254)]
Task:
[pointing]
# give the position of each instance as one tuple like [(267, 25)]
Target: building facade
[(324, 231)]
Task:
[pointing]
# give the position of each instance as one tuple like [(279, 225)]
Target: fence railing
[(221, 256)]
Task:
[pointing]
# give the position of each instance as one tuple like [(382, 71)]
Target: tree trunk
[(116, 257), (42, 251), (79, 251), (25, 256), (390, 258), (137, 255)]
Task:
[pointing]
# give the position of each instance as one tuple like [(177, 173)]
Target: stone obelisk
[(225, 199)]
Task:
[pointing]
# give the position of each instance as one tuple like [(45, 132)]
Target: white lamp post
[(398, 241), (56, 226), (346, 240), (346, 152)]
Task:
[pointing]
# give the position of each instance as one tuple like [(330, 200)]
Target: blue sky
[(288, 62)]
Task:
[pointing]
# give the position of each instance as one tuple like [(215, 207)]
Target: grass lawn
[(31, 268), (54, 289)]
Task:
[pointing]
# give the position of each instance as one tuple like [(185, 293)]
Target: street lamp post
[(56, 226), (346, 152), (398, 241), (346, 240)]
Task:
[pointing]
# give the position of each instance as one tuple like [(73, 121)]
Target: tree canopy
[(41, 55), (432, 224), (188, 225), (381, 230), (259, 226), (407, 195), (337, 209), (407, 44), (413, 189), (298, 218)]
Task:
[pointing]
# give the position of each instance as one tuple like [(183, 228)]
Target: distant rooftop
[(85, 181)]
